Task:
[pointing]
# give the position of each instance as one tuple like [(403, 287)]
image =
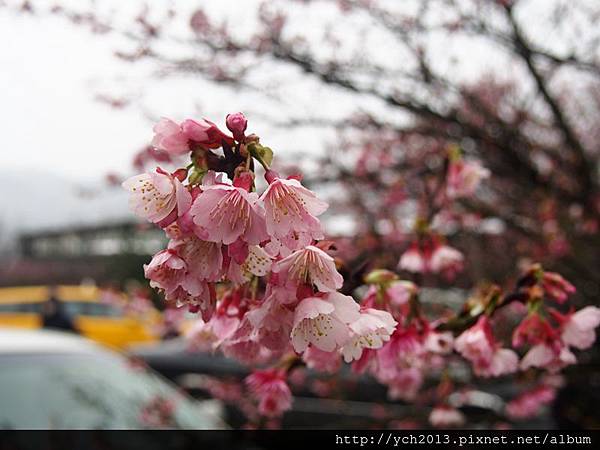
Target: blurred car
[(55, 380), (22, 307), (190, 369), (345, 400)]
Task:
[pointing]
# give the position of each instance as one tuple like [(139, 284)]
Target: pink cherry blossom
[(544, 356), (270, 388), (228, 213), (243, 346), (464, 178), (446, 416), (157, 196), (579, 329), (556, 287), (317, 359), (529, 403), (406, 384), (285, 246), (405, 348), (398, 363), (413, 260), (204, 259), (399, 292), (166, 270), (370, 330), (323, 322), (207, 336), (255, 262), (432, 257), (441, 343), (446, 259), (503, 361), (310, 265), (205, 133), (197, 295), (291, 209), (475, 344), (170, 138), (273, 323), (533, 330), (478, 345)]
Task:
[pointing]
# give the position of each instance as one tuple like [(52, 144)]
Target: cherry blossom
[(529, 403), (228, 213), (204, 259), (255, 261), (464, 177), (446, 416), (271, 390), (370, 330), (533, 330), (166, 270), (431, 257), (414, 260), (579, 328), (478, 345), (446, 259), (291, 209), (556, 287), (437, 342), (544, 356), (323, 322), (158, 195), (205, 133), (310, 265), (170, 138), (406, 384), (317, 359), (273, 322)]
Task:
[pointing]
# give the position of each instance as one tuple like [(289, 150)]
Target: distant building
[(104, 253)]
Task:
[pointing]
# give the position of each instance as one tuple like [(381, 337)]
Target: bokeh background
[(363, 96)]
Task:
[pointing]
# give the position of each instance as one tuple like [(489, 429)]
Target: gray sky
[(52, 70), (47, 108)]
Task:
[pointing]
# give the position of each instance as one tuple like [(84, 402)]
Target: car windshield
[(98, 391)]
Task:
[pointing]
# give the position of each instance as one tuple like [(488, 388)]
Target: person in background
[(54, 315)]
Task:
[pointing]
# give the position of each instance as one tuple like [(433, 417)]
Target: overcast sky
[(51, 72), (50, 120)]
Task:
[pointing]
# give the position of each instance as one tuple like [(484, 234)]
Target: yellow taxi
[(107, 324)]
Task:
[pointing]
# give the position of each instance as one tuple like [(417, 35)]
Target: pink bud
[(237, 123)]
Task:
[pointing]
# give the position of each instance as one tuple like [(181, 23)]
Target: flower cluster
[(256, 269), (253, 266), (549, 333)]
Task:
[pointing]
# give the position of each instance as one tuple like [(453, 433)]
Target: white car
[(54, 380)]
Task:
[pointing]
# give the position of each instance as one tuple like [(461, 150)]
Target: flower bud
[(237, 123), (380, 276)]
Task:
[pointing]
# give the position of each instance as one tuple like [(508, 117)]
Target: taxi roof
[(35, 294)]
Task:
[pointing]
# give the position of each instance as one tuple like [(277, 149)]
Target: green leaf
[(264, 155), (196, 175)]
